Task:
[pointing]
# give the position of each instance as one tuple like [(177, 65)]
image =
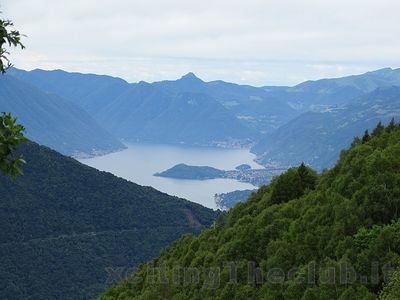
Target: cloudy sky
[(259, 42)]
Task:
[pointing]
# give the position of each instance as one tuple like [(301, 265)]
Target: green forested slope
[(305, 236), (392, 290), (68, 231)]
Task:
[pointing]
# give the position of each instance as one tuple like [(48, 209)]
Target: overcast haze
[(254, 42)]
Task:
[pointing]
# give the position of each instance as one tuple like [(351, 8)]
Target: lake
[(139, 162)]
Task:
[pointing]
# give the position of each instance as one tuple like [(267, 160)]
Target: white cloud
[(254, 41)]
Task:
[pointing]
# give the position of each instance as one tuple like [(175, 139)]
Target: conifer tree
[(365, 137), (392, 125), (379, 129)]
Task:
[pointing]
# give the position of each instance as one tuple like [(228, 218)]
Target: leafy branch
[(11, 135), (10, 38)]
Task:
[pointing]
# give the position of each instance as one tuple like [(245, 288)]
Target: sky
[(257, 42)]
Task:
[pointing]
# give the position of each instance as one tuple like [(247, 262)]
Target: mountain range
[(89, 91), (143, 111), (280, 123), (147, 113), (314, 94)]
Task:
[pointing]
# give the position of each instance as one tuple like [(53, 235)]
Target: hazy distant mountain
[(317, 137), (254, 106), (270, 107), (191, 111), (314, 94), (69, 231), (52, 121), (89, 91), (147, 112)]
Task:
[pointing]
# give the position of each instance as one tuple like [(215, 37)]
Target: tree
[(11, 133), (366, 137), (392, 125), (293, 184), (308, 177), (379, 129)]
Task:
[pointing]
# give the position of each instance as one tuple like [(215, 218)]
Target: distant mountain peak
[(190, 75), (143, 83), (380, 71)]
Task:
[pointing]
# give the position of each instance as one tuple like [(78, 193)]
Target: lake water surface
[(139, 162)]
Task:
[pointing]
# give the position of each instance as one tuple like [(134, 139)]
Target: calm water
[(139, 162)]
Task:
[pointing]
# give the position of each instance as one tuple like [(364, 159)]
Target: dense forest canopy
[(304, 236), (66, 227)]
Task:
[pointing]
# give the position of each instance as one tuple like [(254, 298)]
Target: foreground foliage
[(11, 133), (305, 236)]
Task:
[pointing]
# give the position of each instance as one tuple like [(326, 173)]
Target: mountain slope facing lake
[(304, 236), (316, 138), (52, 121), (69, 231), (89, 91), (254, 106), (217, 113), (148, 113)]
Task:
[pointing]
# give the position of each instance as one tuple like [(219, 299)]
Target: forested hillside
[(304, 236), (68, 230)]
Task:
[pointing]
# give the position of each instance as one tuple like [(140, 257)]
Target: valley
[(140, 161), (186, 150), (194, 150), (282, 126)]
